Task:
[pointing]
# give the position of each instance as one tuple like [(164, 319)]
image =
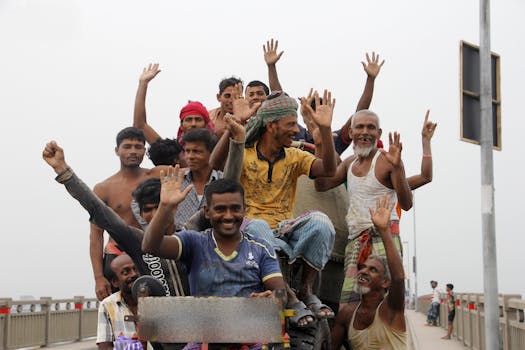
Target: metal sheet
[(209, 320)]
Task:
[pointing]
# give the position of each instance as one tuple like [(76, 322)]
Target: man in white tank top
[(370, 173), (378, 320)]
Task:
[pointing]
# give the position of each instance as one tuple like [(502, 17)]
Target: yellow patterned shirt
[(270, 187)]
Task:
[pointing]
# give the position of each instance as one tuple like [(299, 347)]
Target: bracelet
[(65, 175), (427, 155)]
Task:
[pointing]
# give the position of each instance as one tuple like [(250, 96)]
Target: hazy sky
[(71, 68)]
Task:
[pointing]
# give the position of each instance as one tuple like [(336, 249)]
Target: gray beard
[(363, 152), (361, 290)]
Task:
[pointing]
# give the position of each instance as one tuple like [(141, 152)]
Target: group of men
[(218, 207)]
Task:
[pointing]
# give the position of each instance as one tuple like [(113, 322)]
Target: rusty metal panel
[(209, 320)]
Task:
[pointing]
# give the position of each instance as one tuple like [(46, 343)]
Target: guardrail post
[(506, 328), (5, 309), (79, 307), (45, 304)]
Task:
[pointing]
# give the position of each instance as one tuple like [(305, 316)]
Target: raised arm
[(396, 290), (155, 240), (397, 174), (425, 176), (372, 68), (271, 57), (325, 183), (322, 116), (139, 113)]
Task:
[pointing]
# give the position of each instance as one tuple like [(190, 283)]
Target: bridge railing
[(469, 324), (25, 323)]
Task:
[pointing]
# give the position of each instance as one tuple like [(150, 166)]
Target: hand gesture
[(54, 156), (270, 52), (312, 127), (393, 156), (428, 128), (237, 130), (149, 73), (322, 116), (241, 107), (381, 216), (372, 66), (171, 193)]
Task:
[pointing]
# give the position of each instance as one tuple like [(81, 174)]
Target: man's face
[(193, 121), (364, 134), (148, 211), (226, 99), (226, 213), (371, 276), (131, 152), (255, 94), (284, 130), (433, 284), (196, 155), (125, 273)]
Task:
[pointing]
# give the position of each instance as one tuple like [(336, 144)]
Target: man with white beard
[(378, 320), (370, 173)]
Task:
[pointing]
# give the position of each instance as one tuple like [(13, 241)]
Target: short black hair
[(130, 133), (450, 286), (164, 152), (148, 192), (200, 135), (227, 82), (259, 83), (223, 186)]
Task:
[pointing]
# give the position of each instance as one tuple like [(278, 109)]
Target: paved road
[(422, 337), (88, 344)]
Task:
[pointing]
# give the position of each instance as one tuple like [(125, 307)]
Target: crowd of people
[(217, 210)]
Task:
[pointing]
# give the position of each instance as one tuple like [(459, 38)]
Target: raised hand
[(372, 66), (322, 116), (54, 156), (237, 130), (306, 112), (241, 106), (428, 128), (270, 52), (149, 73), (171, 193), (394, 150), (381, 215)]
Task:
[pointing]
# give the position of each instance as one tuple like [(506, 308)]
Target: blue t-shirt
[(211, 273)]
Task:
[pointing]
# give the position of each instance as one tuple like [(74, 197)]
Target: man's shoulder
[(112, 299)]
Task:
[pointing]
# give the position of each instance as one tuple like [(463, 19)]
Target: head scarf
[(194, 108), (277, 106)]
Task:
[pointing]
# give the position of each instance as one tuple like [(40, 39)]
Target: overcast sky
[(71, 68)]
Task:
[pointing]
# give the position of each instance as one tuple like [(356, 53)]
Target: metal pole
[(414, 261), (490, 280)]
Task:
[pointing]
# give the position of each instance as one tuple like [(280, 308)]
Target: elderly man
[(378, 320), (370, 172)]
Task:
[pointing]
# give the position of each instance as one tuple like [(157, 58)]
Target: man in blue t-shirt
[(222, 261)]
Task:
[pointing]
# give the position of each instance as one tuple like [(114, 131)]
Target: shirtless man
[(227, 92), (116, 191), (370, 172), (378, 320)]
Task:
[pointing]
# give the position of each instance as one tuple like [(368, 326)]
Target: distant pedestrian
[(451, 306), (433, 311)]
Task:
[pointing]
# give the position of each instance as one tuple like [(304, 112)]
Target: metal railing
[(41, 322), (469, 327)]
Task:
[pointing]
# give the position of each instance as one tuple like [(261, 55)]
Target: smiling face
[(283, 131), (125, 273), (226, 213), (371, 276), (131, 152), (364, 133), (226, 99)]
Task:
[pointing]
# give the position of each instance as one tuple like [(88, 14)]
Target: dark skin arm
[(325, 183), (105, 346), (341, 323), (397, 174), (425, 176), (271, 57), (139, 113), (155, 241), (395, 306)]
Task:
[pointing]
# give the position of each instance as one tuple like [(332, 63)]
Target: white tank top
[(362, 195)]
